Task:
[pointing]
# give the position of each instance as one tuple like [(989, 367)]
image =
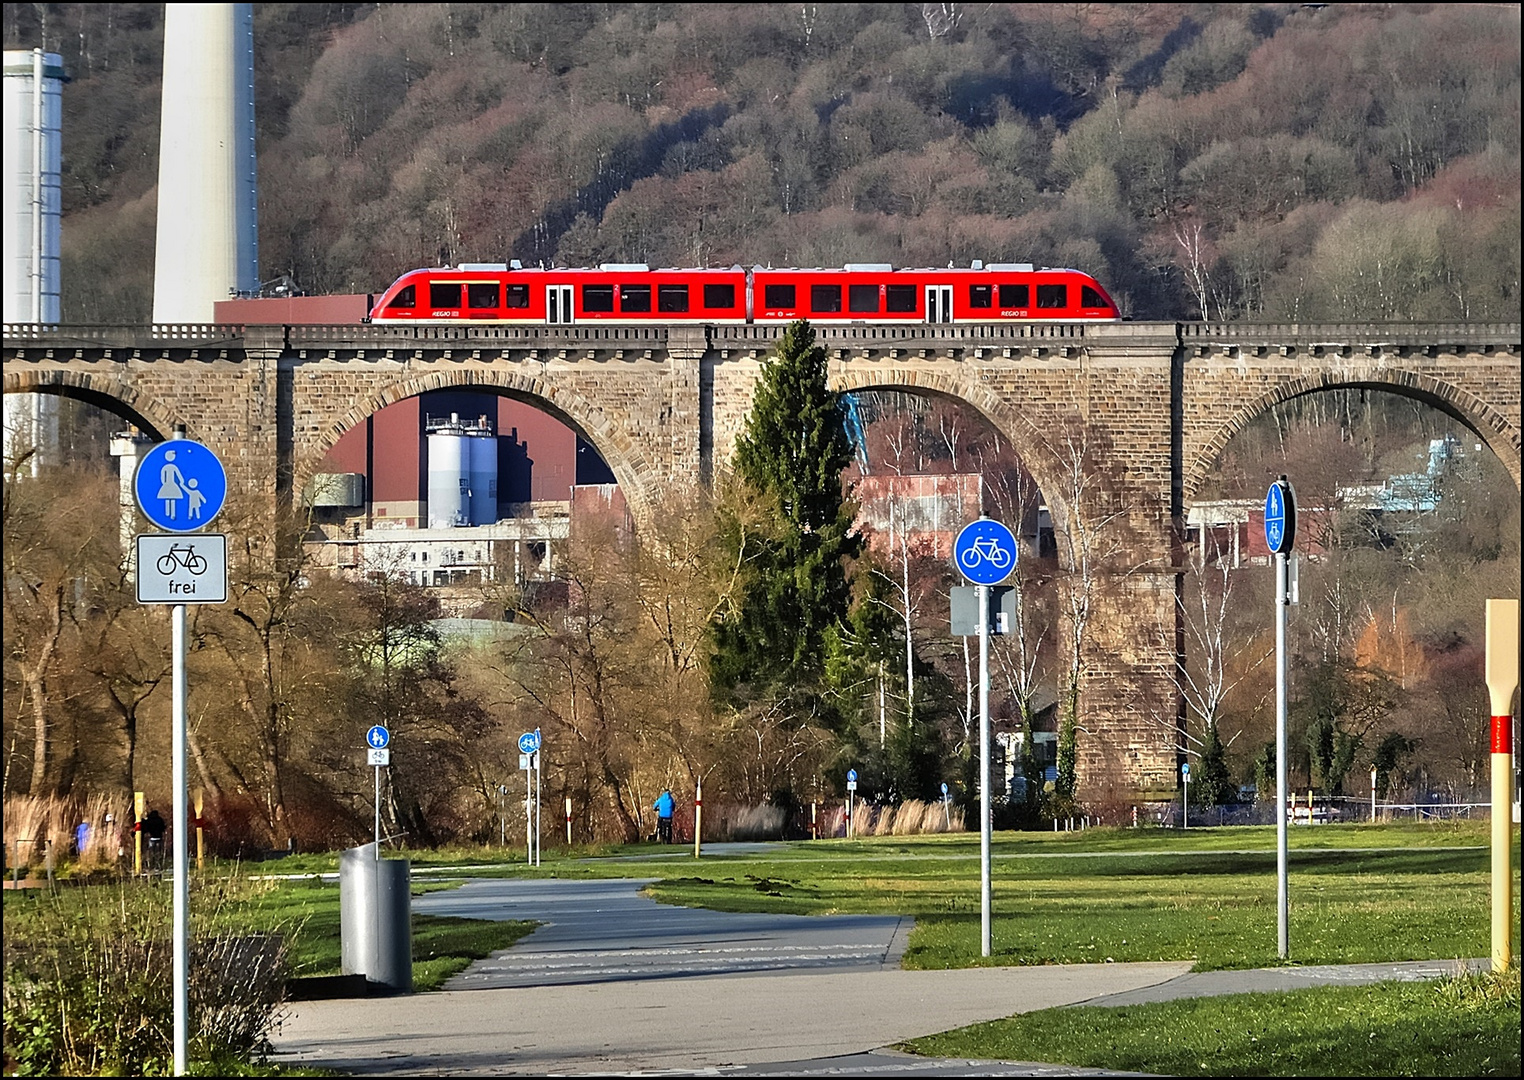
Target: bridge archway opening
[(458, 487), (1407, 522), (70, 424)]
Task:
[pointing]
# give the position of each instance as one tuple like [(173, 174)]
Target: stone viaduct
[(1119, 423)]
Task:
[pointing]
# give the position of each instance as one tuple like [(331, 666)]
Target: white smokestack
[(208, 232), (32, 229)]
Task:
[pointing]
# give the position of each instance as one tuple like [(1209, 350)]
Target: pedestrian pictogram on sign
[(180, 486)]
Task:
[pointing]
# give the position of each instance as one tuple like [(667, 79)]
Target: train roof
[(642, 268)]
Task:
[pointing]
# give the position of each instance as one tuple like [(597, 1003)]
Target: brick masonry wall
[(1146, 408)]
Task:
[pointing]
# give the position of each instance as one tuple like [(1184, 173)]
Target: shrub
[(89, 987)]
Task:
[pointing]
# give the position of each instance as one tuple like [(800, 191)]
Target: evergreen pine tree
[(791, 454)]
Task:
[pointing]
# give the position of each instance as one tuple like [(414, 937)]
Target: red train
[(633, 292)]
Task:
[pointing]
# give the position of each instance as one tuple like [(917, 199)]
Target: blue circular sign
[(377, 738), (1280, 517), (852, 776), (944, 789), (180, 486), (985, 552), (529, 742)]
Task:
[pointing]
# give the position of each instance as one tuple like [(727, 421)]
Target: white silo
[(483, 473), (33, 214), (207, 246), (449, 474)]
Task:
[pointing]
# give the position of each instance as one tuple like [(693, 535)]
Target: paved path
[(604, 931), (614, 983)]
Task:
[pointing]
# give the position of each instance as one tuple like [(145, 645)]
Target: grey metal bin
[(375, 919)]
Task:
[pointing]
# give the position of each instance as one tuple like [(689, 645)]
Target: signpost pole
[(1185, 797), (537, 807), (698, 815), (378, 811), (182, 845), (986, 809), (1282, 907)]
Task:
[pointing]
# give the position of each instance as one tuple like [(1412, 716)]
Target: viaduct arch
[(1151, 405)]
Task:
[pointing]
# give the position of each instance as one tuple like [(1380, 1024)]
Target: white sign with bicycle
[(184, 569)]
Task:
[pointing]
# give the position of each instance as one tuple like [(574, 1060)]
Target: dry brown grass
[(31, 824)]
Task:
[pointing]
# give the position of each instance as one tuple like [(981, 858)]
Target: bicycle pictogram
[(985, 549), (178, 556)]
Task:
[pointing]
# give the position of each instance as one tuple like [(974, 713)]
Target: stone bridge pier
[(1120, 424)]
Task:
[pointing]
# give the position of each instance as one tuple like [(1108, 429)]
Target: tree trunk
[(35, 678)]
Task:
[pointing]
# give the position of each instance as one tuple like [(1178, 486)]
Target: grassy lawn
[(1455, 1027)]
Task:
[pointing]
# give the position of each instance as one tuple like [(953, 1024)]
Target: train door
[(939, 304), (558, 304)]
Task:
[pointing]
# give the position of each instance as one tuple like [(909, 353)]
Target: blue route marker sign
[(1280, 517), (180, 486), (529, 742), (985, 552), (377, 738)]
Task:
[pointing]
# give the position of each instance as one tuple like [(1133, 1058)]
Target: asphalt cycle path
[(613, 983)]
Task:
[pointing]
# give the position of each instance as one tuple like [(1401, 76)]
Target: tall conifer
[(774, 639)]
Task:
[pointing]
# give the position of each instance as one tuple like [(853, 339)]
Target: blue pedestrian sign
[(944, 791), (852, 776), (529, 742), (1280, 517), (1185, 769), (377, 738), (985, 551), (180, 486)]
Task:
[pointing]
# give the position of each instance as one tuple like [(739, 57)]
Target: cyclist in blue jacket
[(663, 807)]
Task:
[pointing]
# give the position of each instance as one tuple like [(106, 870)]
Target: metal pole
[(986, 810), (536, 760), (378, 811), (182, 846), (1185, 803), (1282, 888), (529, 811)]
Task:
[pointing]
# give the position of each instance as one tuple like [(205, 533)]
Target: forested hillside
[(1279, 161)]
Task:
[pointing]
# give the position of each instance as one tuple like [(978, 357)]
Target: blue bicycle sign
[(985, 552)]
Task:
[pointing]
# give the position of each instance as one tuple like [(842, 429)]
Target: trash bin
[(375, 919)]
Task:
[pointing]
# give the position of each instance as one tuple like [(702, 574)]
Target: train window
[(516, 296), (720, 296), (634, 298), (1015, 296), (1090, 298), (481, 296), (444, 296), (1052, 296), (778, 296), (597, 299), (825, 298), (671, 298), (979, 296), (862, 298), (407, 298), (899, 298)]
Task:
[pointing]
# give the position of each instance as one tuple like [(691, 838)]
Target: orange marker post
[(698, 816), (139, 804), (1502, 680), (200, 834)]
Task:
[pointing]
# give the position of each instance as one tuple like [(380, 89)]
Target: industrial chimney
[(33, 213), (208, 230)]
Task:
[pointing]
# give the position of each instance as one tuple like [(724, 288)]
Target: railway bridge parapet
[(1145, 407)]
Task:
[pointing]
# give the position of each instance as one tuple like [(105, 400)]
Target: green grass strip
[(1464, 1026)]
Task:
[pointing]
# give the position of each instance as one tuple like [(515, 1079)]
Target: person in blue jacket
[(663, 807)]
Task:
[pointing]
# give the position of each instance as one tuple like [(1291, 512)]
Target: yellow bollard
[(139, 804), (200, 837), (1502, 680), (698, 816)]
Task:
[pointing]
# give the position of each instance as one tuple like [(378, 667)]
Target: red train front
[(632, 292)]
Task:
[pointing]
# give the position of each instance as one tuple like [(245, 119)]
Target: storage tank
[(32, 228), (449, 453), (207, 244), (483, 474)]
